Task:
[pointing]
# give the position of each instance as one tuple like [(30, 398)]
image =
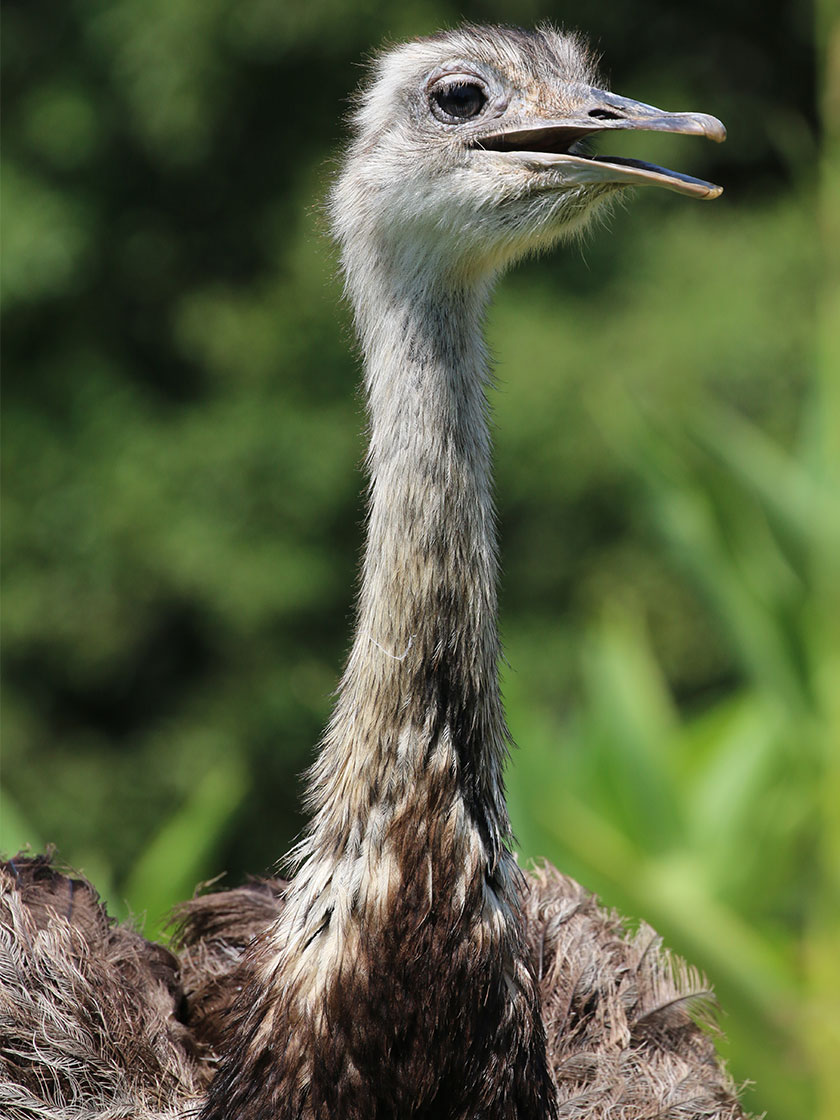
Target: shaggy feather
[(89, 1010), (628, 1023), (210, 933)]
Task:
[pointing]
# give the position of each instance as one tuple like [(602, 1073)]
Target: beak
[(551, 142)]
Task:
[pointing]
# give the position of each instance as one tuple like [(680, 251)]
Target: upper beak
[(600, 111)]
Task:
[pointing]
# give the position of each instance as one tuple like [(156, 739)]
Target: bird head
[(470, 150)]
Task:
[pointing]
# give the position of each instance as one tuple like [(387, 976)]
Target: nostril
[(606, 115)]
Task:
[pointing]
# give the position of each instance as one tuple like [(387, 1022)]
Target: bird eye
[(458, 101)]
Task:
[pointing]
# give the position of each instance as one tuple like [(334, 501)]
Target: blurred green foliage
[(181, 486)]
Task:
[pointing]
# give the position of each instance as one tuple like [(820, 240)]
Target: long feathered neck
[(420, 695), (395, 983)]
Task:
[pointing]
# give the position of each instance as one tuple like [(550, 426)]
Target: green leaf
[(181, 853)]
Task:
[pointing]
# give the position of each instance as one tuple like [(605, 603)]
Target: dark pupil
[(461, 100)]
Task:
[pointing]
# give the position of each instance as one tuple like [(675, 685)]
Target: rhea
[(409, 968)]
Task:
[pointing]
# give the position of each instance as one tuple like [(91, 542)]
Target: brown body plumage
[(408, 968), (96, 1023)]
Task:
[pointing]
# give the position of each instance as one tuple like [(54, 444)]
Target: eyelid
[(458, 78), (457, 71)]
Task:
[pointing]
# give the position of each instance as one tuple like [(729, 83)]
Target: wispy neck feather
[(422, 673)]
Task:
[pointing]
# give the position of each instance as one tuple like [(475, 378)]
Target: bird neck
[(421, 693)]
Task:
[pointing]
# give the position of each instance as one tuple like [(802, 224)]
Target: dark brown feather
[(629, 1024), (90, 1012), (210, 933)]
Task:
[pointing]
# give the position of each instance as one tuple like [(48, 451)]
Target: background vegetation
[(181, 453)]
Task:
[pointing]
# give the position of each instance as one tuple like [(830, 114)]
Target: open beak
[(553, 142)]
